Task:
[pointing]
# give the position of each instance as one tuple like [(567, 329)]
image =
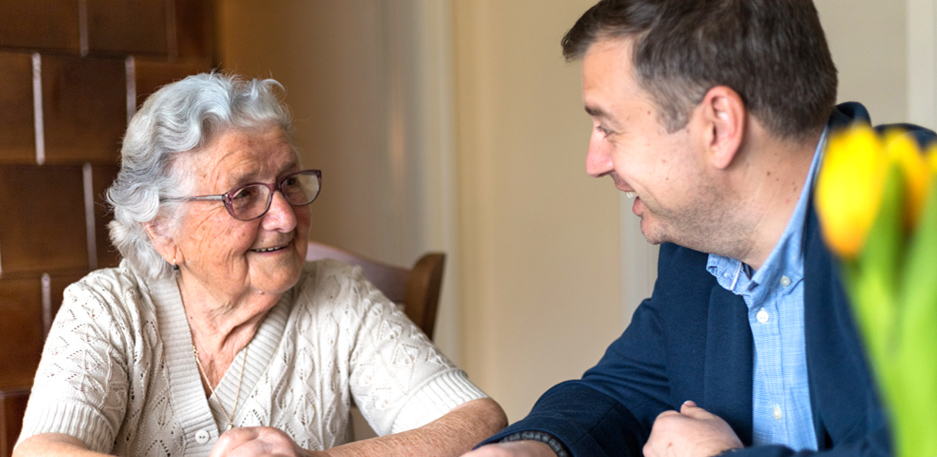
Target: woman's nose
[(280, 216)]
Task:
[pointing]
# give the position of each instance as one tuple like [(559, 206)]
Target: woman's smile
[(269, 249)]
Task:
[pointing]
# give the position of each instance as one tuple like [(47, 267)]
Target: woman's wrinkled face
[(227, 257)]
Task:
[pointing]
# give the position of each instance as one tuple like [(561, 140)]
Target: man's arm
[(589, 416), (524, 448), (610, 410)]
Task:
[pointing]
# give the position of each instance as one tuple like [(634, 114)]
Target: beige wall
[(539, 237), (534, 280), (332, 58), (868, 41), (368, 84)]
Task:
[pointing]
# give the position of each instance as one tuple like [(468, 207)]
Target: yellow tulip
[(849, 188), (903, 150), (932, 157), (877, 203)]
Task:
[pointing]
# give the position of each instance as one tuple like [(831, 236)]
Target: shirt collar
[(787, 257)]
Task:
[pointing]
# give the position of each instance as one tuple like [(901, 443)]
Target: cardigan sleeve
[(399, 379), (81, 385)]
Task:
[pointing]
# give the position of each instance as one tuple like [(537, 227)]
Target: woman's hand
[(258, 442)]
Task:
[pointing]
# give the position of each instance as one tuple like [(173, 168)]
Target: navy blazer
[(692, 341)]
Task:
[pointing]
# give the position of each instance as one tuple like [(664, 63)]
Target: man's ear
[(723, 115), (164, 244)]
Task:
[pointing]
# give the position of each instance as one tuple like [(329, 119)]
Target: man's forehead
[(607, 76), (620, 46), (606, 62)]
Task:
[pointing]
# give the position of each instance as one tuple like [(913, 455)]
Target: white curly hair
[(179, 118)]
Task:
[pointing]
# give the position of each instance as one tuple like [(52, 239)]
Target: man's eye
[(604, 131)]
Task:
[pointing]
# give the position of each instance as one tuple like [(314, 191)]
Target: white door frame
[(638, 261), (922, 62)]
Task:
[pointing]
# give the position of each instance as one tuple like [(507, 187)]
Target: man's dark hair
[(773, 53)]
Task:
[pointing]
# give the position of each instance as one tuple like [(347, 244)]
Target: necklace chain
[(237, 395)]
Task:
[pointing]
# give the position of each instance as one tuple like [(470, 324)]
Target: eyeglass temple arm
[(188, 199)]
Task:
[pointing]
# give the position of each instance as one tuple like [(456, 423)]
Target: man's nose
[(598, 158)]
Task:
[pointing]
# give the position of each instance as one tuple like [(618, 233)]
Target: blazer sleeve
[(589, 416)]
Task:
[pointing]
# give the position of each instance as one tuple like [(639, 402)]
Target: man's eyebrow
[(605, 116), (596, 111)]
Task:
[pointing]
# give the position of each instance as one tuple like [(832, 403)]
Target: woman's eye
[(247, 192)]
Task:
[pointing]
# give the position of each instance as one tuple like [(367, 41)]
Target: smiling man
[(712, 115)]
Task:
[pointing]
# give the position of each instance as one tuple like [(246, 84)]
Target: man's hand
[(691, 432), (513, 449), (257, 442)]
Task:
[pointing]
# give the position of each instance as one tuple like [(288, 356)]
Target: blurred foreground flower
[(878, 213)]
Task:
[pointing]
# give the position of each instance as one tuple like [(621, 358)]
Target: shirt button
[(777, 412), (202, 436), (762, 316), (785, 281)]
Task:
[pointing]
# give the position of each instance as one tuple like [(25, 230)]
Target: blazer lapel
[(729, 359)]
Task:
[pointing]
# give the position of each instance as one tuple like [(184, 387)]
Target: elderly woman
[(214, 336)]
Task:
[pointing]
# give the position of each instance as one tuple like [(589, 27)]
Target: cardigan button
[(202, 436)]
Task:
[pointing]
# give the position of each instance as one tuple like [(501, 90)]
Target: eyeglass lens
[(252, 201)]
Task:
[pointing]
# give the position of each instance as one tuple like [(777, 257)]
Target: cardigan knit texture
[(118, 371)]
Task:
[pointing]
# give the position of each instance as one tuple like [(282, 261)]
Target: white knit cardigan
[(118, 371)]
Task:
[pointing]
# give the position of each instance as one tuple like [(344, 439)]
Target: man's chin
[(654, 241), (650, 234)]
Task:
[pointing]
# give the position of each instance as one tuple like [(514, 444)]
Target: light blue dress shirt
[(775, 298)]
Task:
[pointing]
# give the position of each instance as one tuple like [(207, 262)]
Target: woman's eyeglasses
[(252, 200)]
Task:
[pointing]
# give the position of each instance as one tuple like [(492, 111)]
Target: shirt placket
[(764, 321)]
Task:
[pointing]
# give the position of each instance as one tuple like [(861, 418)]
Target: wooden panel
[(21, 330), (151, 75), (127, 27), (40, 24), (17, 137), (194, 34), (12, 407), (22, 334), (84, 107), (102, 177), (43, 223)]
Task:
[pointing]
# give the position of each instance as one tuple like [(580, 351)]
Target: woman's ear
[(724, 115), (164, 244)]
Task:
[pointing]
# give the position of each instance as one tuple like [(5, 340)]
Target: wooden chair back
[(416, 288)]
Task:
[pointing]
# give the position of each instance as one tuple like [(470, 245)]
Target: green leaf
[(872, 281), (915, 393)]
